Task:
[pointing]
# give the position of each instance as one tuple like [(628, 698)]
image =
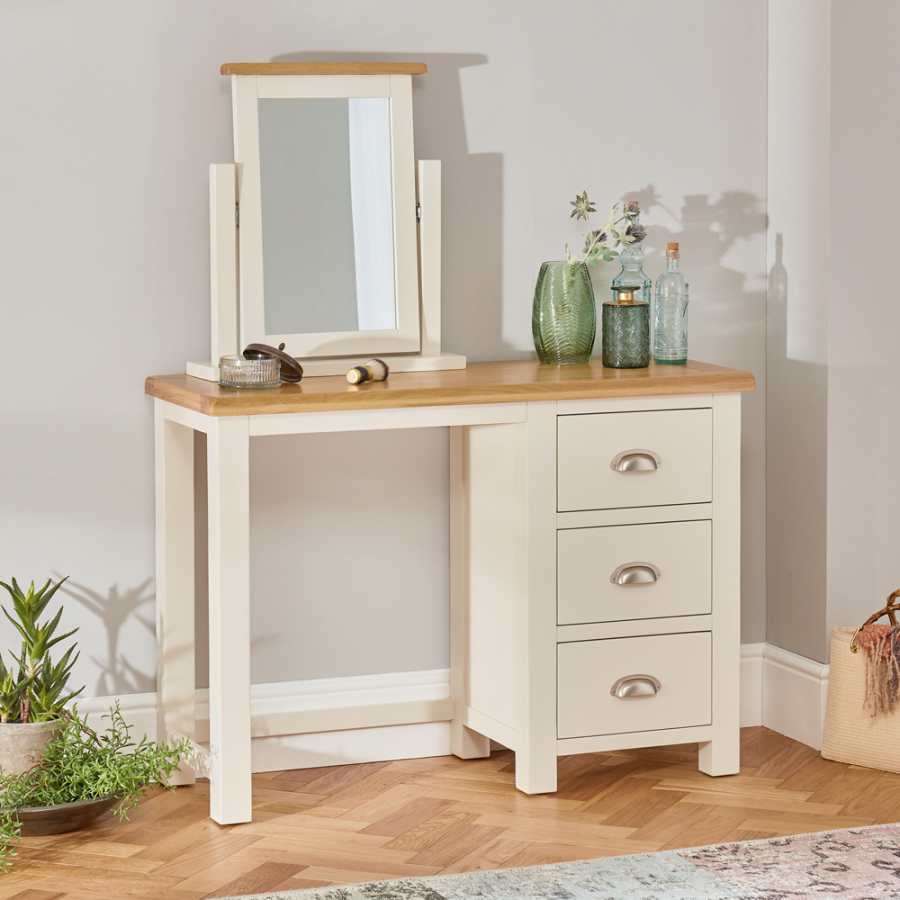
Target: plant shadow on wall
[(472, 198), (114, 609), (724, 309)]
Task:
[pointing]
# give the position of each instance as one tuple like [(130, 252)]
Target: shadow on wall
[(472, 196), (117, 675), (797, 467), (728, 310)]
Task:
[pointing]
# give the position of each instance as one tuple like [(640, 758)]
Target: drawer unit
[(595, 588), (664, 681), (623, 459), (634, 572)]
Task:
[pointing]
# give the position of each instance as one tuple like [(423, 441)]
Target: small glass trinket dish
[(238, 372)]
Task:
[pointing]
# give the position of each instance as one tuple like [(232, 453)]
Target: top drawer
[(668, 459)]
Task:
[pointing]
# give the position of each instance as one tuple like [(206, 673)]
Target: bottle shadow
[(797, 465), (708, 231)]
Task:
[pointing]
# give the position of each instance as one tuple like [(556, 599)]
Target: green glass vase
[(564, 317)]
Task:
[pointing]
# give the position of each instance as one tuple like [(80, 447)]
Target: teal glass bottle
[(564, 315), (625, 331), (670, 343), (632, 274)]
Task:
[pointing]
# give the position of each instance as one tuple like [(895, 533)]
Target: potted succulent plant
[(33, 688), (56, 773)]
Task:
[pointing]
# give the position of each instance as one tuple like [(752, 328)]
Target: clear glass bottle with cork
[(626, 330), (671, 320)]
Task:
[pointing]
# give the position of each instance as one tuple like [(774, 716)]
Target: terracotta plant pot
[(21, 746)]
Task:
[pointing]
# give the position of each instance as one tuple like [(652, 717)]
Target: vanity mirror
[(325, 235)]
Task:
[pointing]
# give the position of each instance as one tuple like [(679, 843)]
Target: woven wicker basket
[(852, 734)]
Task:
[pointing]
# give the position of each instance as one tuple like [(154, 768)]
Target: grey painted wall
[(834, 383), (797, 375), (103, 254), (863, 313)]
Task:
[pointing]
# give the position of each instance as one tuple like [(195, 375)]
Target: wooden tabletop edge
[(324, 68)]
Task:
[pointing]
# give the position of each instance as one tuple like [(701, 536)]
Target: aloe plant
[(36, 692), (12, 689)]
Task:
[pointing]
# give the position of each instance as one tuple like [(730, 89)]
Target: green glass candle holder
[(625, 331)]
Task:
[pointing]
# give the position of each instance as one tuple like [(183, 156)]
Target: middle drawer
[(621, 572)]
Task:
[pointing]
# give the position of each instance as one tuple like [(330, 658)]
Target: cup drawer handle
[(632, 462), (634, 687), (635, 573)]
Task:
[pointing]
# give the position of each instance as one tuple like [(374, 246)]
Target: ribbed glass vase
[(564, 317)]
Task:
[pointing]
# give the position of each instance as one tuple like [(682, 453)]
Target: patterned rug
[(852, 864)]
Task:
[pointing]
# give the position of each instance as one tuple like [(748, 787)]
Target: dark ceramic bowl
[(62, 817)]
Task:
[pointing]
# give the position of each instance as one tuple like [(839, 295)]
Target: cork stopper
[(672, 250)]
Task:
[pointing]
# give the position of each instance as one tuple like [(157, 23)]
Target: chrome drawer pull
[(635, 573), (631, 462), (633, 687)]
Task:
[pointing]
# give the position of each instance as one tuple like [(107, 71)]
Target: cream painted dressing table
[(595, 559)]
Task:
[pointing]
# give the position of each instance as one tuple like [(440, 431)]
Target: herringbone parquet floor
[(430, 816)]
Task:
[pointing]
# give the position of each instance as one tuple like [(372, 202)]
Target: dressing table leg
[(174, 582), (721, 755), (535, 626), (228, 453), (464, 743)]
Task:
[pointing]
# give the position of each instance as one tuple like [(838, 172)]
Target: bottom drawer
[(681, 664)]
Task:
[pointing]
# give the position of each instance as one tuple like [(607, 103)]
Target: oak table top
[(515, 381)]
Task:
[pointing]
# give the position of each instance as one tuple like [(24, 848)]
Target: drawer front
[(680, 440), (676, 554), (681, 663)]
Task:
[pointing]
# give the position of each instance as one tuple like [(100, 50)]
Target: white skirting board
[(784, 692), (780, 690), (306, 751)]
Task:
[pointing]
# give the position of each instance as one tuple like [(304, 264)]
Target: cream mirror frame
[(249, 91), (237, 254)]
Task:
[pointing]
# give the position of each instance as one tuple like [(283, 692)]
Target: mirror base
[(209, 371)]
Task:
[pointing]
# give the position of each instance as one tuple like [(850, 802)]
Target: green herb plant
[(34, 689), (82, 764)]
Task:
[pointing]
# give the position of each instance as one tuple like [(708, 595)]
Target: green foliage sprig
[(82, 764), (35, 693), (620, 230), (9, 840)]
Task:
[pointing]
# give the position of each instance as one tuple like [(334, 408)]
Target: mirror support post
[(428, 189), (223, 270), (223, 259)]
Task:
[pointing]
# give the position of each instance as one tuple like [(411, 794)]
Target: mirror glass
[(327, 218)]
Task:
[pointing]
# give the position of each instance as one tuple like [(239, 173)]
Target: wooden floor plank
[(265, 877), (408, 817), (345, 824), (494, 854)]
